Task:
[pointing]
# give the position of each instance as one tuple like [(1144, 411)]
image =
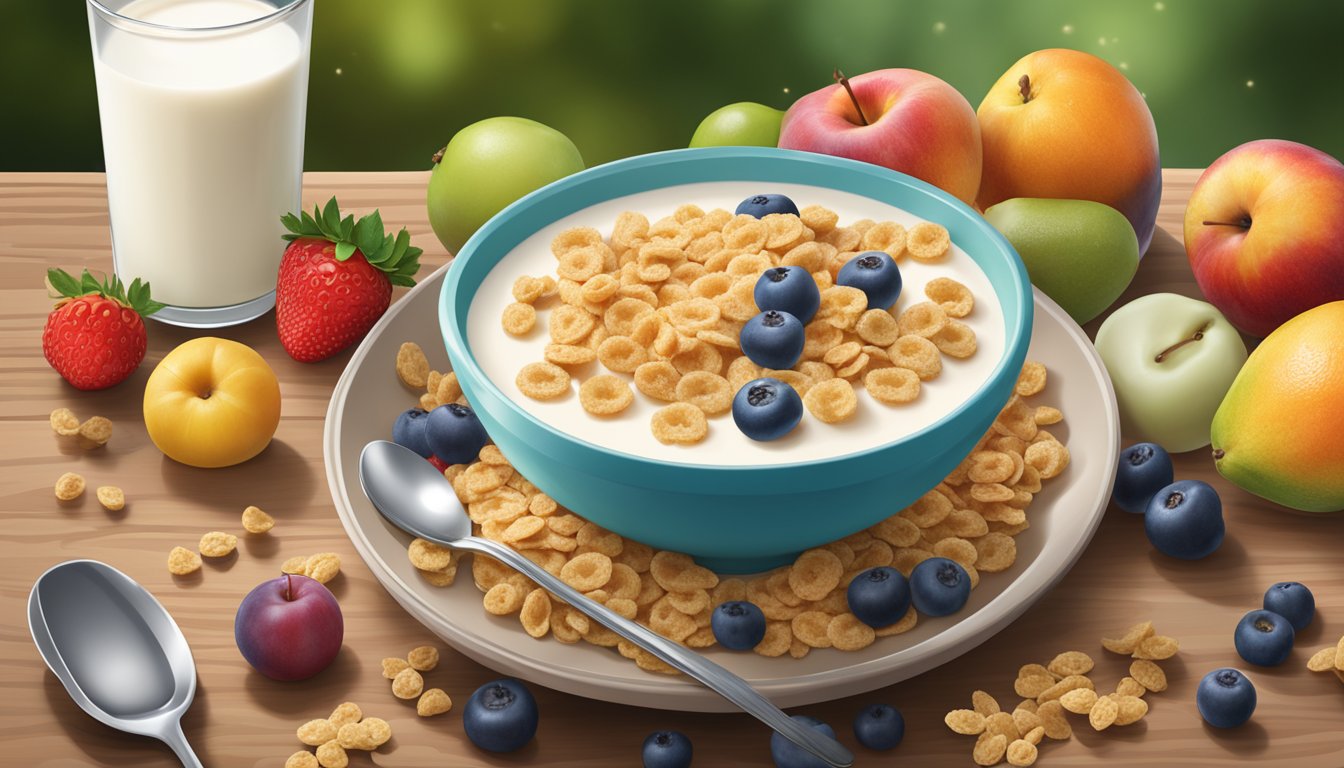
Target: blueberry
[(1185, 520), (788, 289), (786, 754), (1293, 602), (1145, 469), (738, 625), (879, 596), (773, 339), (767, 409), (667, 749), (409, 431), (939, 587), (500, 716), (1225, 698), (874, 273), (764, 205), (879, 726), (1264, 638), (455, 434)]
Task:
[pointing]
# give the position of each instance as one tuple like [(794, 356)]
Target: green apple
[(1082, 254), (744, 124), (1171, 359), (490, 164)]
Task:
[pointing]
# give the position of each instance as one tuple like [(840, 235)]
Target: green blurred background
[(392, 80)]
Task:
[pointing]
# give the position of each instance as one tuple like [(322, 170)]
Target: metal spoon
[(416, 497), (117, 651)]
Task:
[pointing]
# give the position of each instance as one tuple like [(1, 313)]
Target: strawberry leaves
[(136, 296), (393, 255)]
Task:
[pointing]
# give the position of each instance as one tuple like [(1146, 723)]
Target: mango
[(1279, 432)]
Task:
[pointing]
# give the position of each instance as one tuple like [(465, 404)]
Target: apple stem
[(289, 588), (1244, 222), (1196, 336), (1024, 87), (844, 82), (438, 156)]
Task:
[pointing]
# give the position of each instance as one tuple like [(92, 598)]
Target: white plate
[(1064, 516)]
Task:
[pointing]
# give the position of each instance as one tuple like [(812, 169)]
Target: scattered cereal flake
[(1079, 701), (1070, 683), (1129, 709), (182, 561), (64, 422), (218, 544), (1157, 647), (1001, 723), (332, 755), (984, 703), (1071, 663), (346, 712), (295, 565), (407, 684), (1323, 660), (97, 430), (322, 567), (423, 658), (257, 521), (1148, 674), (1022, 752), (1053, 720), (412, 365), (847, 633), (69, 486), (967, 722), (989, 748), (301, 759), (433, 702), (111, 497), (1103, 713), (1128, 686), (315, 733), (1130, 640)]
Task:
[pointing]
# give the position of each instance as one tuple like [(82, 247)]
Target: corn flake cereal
[(543, 381), (182, 561), (332, 755), (1021, 752), (927, 241), (317, 732), (707, 391), (96, 431), (433, 702), (218, 544), (605, 395), (679, 424), (917, 354), (893, 386), (407, 684), (257, 521), (111, 497), (322, 567), (301, 759), (831, 401), (69, 486), (423, 658), (412, 365), (64, 422)]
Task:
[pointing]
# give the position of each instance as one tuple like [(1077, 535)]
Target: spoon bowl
[(116, 650), (416, 497)]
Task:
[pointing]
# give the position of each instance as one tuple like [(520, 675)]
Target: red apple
[(1264, 231), (289, 628), (902, 119)]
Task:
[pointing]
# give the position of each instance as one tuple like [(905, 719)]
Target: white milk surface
[(500, 355), (203, 141)]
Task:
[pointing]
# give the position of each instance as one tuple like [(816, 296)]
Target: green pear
[(488, 165), (744, 124), (1080, 253)]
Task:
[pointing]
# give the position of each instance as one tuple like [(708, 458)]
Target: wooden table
[(243, 719)]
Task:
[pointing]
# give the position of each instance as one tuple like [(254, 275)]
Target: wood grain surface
[(243, 719)]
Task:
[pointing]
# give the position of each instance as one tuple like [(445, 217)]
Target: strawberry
[(95, 336), (336, 280)]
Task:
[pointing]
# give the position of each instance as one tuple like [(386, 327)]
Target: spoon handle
[(177, 741), (725, 683)]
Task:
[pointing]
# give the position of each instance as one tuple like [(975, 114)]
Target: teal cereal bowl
[(736, 516)]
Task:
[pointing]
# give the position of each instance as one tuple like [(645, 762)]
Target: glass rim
[(133, 23)]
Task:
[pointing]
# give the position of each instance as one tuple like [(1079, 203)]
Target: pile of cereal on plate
[(760, 314), (966, 523)]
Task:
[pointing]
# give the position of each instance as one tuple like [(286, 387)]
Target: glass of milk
[(202, 106)]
